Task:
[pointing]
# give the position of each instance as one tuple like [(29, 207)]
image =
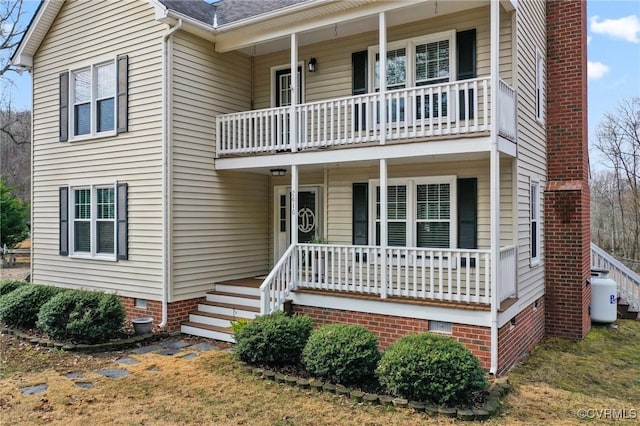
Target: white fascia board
[(189, 24), (507, 147), (227, 40), (404, 310), (375, 152), (23, 56)]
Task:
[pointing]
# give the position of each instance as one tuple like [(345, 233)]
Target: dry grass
[(558, 379)]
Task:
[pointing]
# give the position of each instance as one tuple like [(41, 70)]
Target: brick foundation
[(567, 198), (517, 338), (177, 312), (390, 328)]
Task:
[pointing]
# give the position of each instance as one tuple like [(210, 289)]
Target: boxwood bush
[(82, 316), (7, 286), (342, 353), (273, 340), (431, 368), (20, 307)]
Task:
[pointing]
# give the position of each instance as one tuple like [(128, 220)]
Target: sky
[(613, 52)]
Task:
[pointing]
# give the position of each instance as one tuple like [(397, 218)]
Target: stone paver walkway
[(174, 347)]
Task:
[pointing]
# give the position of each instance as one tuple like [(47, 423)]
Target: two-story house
[(371, 162)]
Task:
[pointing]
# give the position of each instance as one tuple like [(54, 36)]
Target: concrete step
[(208, 331), (234, 310), (233, 298)]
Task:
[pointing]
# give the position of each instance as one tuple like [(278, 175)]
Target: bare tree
[(616, 192), (15, 125)]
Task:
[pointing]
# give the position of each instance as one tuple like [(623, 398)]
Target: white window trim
[(93, 227), (93, 134), (272, 82), (412, 206), (539, 94), (534, 194), (410, 45)]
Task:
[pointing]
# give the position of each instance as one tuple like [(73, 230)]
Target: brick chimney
[(566, 200)]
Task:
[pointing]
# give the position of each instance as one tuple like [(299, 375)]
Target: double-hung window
[(421, 212), (93, 230), (94, 99)]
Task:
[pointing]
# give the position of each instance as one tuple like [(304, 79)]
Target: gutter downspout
[(165, 172)]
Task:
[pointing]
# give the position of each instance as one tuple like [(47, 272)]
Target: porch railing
[(456, 108), (507, 111), (508, 272), (278, 284), (628, 281)]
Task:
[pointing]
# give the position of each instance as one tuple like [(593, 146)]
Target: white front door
[(308, 223)]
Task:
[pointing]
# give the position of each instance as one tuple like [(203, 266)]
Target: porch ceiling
[(329, 20)]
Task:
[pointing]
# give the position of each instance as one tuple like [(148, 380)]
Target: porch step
[(209, 331), (239, 289), (231, 309), (624, 312), (219, 320), (233, 298)]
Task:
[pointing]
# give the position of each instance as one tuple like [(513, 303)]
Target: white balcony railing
[(458, 108), (508, 272)]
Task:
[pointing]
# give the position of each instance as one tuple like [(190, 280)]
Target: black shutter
[(123, 93), (122, 231), (360, 228), (359, 86), (466, 48), (466, 41), (64, 221), (467, 213), (63, 120)]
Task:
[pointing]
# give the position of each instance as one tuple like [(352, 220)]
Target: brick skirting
[(517, 338), (177, 312)]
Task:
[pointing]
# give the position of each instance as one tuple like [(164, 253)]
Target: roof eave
[(273, 14)]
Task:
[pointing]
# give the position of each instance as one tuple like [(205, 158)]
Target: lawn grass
[(557, 380)]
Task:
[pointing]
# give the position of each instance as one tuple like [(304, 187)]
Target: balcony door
[(282, 87), (308, 221)]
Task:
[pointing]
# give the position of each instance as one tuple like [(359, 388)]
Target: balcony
[(459, 109)]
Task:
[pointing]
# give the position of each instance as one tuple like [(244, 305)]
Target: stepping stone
[(113, 373), (175, 344), (146, 349), (74, 375), (190, 356), (32, 390), (127, 361), (86, 385), (203, 347), (169, 352)]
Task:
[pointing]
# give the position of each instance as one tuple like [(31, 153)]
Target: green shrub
[(428, 367), (273, 340), (20, 307), (341, 353), (238, 325), (7, 286), (82, 316)]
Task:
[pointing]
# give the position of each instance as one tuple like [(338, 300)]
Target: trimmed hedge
[(273, 340), (20, 307), (82, 316), (342, 353), (7, 286), (428, 367)]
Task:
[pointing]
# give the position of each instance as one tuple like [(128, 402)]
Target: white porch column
[(295, 90), (494, 165), (293, 227), (382, 73)]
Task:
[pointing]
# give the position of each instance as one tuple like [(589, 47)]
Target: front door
[(307, 223)]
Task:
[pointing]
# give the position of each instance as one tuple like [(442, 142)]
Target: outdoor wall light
[(278, 172), (312, 64)]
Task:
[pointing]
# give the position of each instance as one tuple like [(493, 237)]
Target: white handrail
[(627, 280), (278, 284)]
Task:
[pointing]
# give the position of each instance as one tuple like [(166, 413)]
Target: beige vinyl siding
[(339, 193), (531, 163), (84, 33), (333, 78), (219, 219)]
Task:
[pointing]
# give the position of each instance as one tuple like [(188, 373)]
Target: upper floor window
[(539, 86), (93, 94), (94, 100)]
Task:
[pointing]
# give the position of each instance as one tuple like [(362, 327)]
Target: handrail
[(627, 280), (272, 297)]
